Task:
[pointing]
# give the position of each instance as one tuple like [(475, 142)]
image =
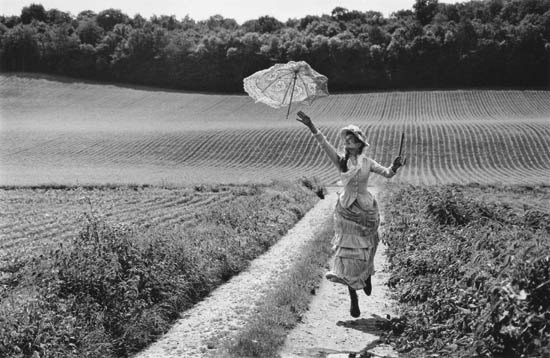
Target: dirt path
[(326, 329), (203, 328)]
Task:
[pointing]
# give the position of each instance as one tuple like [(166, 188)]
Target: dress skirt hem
[(355, 242)]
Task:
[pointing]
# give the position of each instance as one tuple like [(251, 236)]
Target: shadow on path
[(375, 325)]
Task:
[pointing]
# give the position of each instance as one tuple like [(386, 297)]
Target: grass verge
[(114, 289), (471, 274), (285, 304)]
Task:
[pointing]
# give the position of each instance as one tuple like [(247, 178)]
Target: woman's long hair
[(345, 157)]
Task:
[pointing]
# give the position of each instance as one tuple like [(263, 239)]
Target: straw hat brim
[(356, 131)]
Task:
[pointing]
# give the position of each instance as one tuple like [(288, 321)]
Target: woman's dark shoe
[(354, 308), (368, 287)]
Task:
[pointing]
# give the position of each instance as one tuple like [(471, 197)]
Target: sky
[(240, 10)]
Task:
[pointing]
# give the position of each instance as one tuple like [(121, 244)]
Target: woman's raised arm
[(323, 142)]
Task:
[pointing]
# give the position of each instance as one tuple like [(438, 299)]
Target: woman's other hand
[(398, 162), (304, 118)]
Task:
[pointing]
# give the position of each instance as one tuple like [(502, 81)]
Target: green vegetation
[(115, 288), (475, 43), (470, 270)]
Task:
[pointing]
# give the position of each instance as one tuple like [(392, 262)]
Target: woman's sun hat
[(356, 131)]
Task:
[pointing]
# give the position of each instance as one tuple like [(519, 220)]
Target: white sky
[(240, 10)]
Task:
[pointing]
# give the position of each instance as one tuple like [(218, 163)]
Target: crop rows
[(30, 218), (27, 99), (56, 133), (438, 152), (59, 132)]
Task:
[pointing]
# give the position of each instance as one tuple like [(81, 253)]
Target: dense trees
[(477, 43)]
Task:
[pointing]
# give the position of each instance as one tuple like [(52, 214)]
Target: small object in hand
[(401, 144), (399, 161)]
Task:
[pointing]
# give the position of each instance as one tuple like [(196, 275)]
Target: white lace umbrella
[(286, 83)]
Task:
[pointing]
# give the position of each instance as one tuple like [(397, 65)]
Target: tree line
[(490, 43)]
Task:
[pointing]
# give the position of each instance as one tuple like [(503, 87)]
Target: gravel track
[(326, 330), (202, 329)]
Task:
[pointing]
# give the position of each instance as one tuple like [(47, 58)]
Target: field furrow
[(165, 207), (275, 149), (135, 215), (179, 217), (436, 155), (516, 159), (537, 137), (129, 213), (449, 152), (470, 155), (305, 143), (265, 150), (538, 101), (231, 145), (428, 164), (232, 155), (248, 149), (480, 154), (283, 155), (482, 150), (522, 160), (187, 144), (73, 133), (512, 167), (456, 155), (490, 150)]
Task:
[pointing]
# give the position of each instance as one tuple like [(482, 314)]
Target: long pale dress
[(356, 218)]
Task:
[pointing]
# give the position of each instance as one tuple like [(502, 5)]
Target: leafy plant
[(472, 277)]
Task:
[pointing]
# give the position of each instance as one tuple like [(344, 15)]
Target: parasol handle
[(401, 144), (291, 93)]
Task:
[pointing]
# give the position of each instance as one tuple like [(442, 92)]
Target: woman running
[(356, 216)]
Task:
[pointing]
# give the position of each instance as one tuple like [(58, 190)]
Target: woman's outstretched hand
[(304, 118), (398, 162)]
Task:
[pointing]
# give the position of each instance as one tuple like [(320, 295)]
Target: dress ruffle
[(355, 243)]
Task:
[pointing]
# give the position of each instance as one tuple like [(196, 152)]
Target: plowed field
[(83, 133), (61, 132)]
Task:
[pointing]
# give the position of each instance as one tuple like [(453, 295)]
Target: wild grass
[(115, 288), (285, 303), (471, 275)]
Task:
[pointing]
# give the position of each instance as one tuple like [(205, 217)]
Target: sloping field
[(31, 218), (67, 132)]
